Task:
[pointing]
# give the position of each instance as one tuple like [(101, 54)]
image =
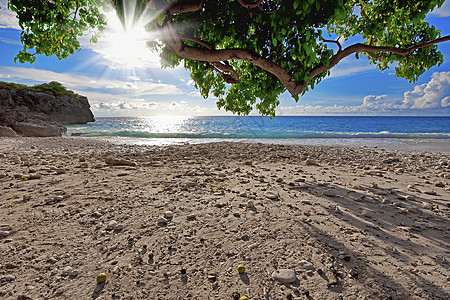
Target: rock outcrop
[(18, 105), (34, 113), (40, 128)]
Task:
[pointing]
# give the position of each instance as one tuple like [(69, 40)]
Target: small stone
[(33, 176), (305, 202), (118, 228), (168, 215), (271, 196), (426, 205), (162, 221), (366, 213), (306, 265), (311, 162), (410, 198), (52, 260), (4, 234), (60, 171), (189, 183), (439, 184), (66, 271), (432, 193), (284, 276), (329, 193), (119, 162), (112, 225), (250, 204), (96, 214), (191, 217), (8, 278), (253, 246)]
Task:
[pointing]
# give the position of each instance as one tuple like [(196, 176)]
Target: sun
[(125, 46)]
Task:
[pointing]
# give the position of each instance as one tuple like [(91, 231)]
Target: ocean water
[(303, 130)]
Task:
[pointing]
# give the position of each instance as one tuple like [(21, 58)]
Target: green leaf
[(160, 19)]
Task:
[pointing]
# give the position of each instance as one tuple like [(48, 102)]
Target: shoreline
[(347, 222), (431, 145)]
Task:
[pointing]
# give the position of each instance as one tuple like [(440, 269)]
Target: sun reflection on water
[(165, 124)]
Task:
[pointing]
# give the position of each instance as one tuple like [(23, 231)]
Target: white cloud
[(443, 11), (82, 83), (445, 102), (432, 97), (7, 17), (8, 41), (120, 106), (431, 94), (134, 78), (350, 66), (380, 102)]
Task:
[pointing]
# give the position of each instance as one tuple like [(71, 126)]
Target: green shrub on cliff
[(54, 88)]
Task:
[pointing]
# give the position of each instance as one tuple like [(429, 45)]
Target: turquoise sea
[(304, 130)]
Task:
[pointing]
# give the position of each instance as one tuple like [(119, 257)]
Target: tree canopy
[(247, 52)]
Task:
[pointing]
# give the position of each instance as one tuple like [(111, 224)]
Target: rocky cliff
[(23, 107)]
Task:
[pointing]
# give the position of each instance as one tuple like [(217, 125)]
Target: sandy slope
[(351, 223)]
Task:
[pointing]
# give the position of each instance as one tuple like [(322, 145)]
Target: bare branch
[(332, 41), (76, 11)]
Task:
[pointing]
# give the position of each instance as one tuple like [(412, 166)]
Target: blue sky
[(122, 78)]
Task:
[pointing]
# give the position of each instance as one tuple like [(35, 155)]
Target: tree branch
[(226, 72), (332, 41), (370, 49), (197, 41), (177, 8), (250, 4), (76, 11), (185, 7), (174, 42), (171, 39)]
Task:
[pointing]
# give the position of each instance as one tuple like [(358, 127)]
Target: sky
[(121, 77)]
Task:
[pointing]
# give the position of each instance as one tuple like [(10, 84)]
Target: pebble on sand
[(271, 195), (284, 276), (329, 193), (306, 265)]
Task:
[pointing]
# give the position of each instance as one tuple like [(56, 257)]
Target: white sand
[(382, 232)]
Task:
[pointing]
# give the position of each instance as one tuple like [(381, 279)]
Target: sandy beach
[(175, 222)]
